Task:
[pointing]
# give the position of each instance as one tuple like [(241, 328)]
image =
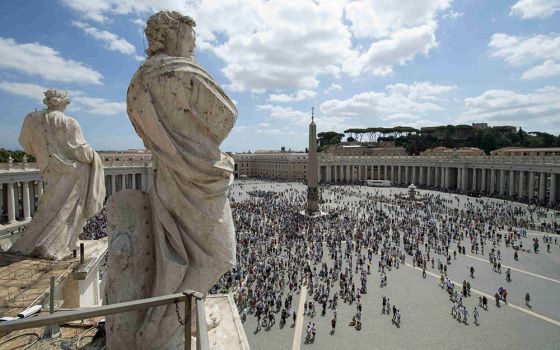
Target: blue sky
[(360, 63)]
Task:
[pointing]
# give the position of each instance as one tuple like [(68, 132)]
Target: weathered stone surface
[(182, 116), (73, 176)]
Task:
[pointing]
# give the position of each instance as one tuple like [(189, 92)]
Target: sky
[(359, 63)]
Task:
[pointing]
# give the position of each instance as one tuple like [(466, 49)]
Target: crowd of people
[(281, 252), (96, 227)]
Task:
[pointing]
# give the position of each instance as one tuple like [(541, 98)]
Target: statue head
[(172, 33), (56, 99)]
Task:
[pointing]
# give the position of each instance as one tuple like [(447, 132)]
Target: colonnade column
[(552, 188), (473, 187), (502, 181), (492, 180), (113, 184), (429, 176), (483, 180), (406, 177), (531, 190), (399, 173), (542, 186), (133, 181), (511, 182), (521, 190), (442, 177), (26, 207), (11, 203), (414, 174)]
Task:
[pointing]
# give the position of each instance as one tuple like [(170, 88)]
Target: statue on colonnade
[(73, 176)]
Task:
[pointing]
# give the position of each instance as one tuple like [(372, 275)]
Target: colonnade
[(531, 184), (21, 191)]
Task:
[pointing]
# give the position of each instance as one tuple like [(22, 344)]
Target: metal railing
[(202, 342)]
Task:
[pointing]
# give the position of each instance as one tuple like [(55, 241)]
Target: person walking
[(527, 299), (333, 325), (475, 315)]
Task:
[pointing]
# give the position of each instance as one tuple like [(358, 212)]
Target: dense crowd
[(280, 251), (96, 227)]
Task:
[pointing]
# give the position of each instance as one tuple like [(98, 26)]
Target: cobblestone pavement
[(425, 307)]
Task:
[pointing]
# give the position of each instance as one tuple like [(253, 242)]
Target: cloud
[(452, 15), (43, 61), (518, 50), (78, 100), (110, 40), (399, 102), (400, 48), (32, 91), (512, 107), (96, 105), (293, 44), (286, 114), (299, 95), (547, 69), (332, 88), (521, 51), (530, 9), (381, 19)]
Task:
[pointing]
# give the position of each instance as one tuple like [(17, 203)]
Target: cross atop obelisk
[(312, 168)]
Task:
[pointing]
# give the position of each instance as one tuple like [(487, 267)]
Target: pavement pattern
[(426, 321)]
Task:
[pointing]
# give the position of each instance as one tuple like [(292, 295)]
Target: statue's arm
[(26, 136), (75, 139)]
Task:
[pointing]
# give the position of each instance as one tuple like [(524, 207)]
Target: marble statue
[(73, 176), (180, 234)]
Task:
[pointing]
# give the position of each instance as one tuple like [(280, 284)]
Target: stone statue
[(73, 176), (180, 234)]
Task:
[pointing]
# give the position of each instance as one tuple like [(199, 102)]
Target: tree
[(328, 138), (17, 156)]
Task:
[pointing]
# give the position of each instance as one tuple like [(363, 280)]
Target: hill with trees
[(415, 141)]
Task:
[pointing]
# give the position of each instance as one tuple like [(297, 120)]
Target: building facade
[(521, 177), (513, 176)]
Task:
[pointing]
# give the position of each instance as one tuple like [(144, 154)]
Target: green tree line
[(415, 141), (16, 155)]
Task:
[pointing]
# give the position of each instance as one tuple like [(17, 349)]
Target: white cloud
[(452, 15), (286, 114), (399, 102), (547, 69), (96, 105), (521, 51), (381, 19), (512, 107), (528, 9), (291, 44), (37, 59), (299, 95), (78, 100), (400, 48), (110, 40), (32, 91), (332, 88), (518, 50)]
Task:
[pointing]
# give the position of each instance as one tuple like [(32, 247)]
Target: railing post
[(188, 305), (201, 327), (52, 330), (82, 251)]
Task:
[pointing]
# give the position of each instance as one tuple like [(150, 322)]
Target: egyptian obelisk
[(312, 169)]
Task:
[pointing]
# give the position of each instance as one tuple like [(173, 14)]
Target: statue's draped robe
[(74, 184), (182, 116)]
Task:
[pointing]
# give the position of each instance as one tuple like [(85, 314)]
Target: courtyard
[(425, 307)]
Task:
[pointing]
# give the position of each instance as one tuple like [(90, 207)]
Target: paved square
[(278, 249)]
